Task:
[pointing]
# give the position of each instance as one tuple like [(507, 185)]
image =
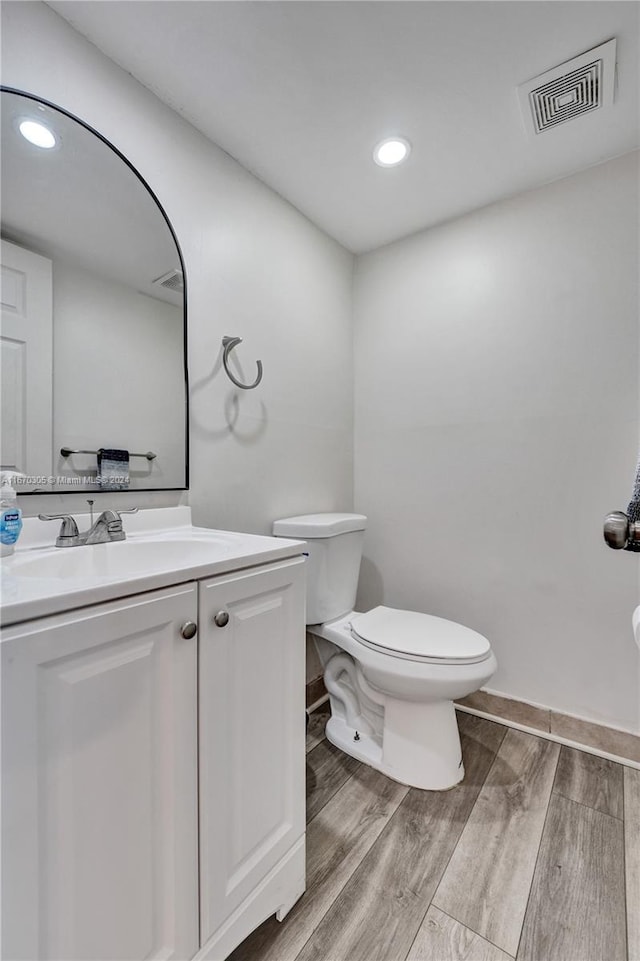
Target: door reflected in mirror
[(92, 344)]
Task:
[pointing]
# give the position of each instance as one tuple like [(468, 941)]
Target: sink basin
[(162, 550), (124, 558)]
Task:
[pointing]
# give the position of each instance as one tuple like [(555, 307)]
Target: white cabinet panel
[(99, 815), (251, 695)]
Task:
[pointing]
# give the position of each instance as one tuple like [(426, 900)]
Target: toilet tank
[(335, 550)]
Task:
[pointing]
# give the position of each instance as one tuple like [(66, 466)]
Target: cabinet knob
[(221, 619), (188, 630)]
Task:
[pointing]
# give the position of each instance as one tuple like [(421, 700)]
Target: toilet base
[(365, 748), (420, 744)]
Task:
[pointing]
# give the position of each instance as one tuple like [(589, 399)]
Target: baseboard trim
[(607, 742), (550, 737), (315, 691), (314, 707)]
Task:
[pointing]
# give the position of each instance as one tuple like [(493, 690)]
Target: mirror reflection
[(92, 342)]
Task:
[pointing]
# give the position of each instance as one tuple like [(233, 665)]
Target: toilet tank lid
[(309, 526)]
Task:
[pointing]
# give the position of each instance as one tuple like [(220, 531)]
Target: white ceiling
[(299, 93)]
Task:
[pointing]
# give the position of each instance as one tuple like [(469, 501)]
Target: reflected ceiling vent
[(171, 281), (576, 87)]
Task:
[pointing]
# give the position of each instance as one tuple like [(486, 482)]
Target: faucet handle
[(68, 528), (128, 510)]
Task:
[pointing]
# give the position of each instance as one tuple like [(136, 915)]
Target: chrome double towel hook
[(228, 343)]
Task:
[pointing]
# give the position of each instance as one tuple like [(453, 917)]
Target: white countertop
[(91, 574)]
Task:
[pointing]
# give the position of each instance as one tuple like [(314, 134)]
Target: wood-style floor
[(534, 857)]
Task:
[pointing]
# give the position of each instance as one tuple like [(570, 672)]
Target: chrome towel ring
[(228, 343)]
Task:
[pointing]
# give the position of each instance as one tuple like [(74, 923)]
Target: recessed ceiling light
[(392, 151), (37, 134)]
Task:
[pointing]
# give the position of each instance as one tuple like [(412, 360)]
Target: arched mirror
[(93, 346)]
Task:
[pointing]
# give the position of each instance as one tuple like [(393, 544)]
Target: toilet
[(392, 675)]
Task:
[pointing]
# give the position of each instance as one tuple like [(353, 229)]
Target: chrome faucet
[(107, 528)]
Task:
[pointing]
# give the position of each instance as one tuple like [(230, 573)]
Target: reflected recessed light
[(37, 134), (392, 151)]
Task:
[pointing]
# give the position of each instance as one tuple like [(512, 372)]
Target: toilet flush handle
[(620, 533)]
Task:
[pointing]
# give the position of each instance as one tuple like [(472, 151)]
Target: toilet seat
[(419, 637)]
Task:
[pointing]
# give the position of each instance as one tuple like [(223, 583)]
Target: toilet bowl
[(392, 675)]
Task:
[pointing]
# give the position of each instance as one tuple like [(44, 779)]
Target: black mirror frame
[(96, 133)]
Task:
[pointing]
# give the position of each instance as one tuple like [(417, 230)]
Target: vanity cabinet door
[(252, 685), (99, 782)]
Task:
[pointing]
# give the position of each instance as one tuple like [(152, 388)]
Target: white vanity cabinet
[(251, 681), (99, 776), (112, 721)]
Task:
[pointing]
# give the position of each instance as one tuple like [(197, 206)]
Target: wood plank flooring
[(632, 859), (590, 780), (535, 856), (577, 899), (317, 722), (486, 885), (327, 770), (440, 938)]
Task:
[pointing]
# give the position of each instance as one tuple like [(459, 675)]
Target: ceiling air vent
[(173, 280), (574, 88)]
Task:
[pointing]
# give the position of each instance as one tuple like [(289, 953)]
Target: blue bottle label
[(10, 526)]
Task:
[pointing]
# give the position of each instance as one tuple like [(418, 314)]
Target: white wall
[(497, 384), (255, 267), (497, 422), (116, 351)]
